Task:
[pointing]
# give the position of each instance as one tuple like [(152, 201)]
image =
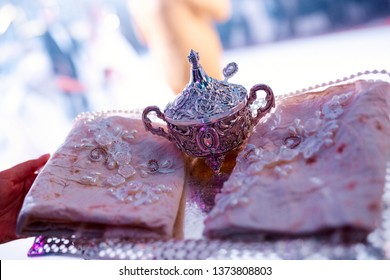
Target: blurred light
[(112, 21), (32, 28), (7, 15)]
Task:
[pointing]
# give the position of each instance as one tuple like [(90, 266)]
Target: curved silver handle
[(270, 98), (148, 123)]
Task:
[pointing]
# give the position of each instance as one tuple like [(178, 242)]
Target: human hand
[(15, 182)]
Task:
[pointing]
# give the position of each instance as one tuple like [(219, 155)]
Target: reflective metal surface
[(210, 118)]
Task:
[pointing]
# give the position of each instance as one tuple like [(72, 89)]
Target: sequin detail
[(305, 138), (111, 145), (126, 171), (138, 193), (233, 194)]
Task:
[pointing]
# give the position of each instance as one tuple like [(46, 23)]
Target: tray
[(199, 199)]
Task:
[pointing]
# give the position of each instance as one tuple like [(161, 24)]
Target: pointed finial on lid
[(193, 58)]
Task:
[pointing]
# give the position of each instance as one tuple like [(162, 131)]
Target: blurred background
[(59, 58)]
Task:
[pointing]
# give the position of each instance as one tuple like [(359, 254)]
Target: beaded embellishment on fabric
[(305, 137), (139, 193), (110, 144)]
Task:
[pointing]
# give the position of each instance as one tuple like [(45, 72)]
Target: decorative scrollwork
[(98, 154)]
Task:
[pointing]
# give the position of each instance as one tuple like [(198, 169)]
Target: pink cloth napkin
[(317, 163), (110, 178)]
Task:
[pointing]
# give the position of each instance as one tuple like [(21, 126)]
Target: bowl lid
[(205, 99)]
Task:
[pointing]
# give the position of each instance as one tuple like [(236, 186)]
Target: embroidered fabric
[(108, 178), (308, 168)]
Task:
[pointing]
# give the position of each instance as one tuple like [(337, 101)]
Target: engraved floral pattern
[(199, 103)]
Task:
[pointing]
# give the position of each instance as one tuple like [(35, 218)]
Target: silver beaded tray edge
[(194, 246)]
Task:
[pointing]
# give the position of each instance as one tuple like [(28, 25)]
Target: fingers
[(25, 169), (41, 161), (28, 181)]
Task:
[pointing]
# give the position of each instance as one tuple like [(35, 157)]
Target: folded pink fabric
[(110, 178), (319, 162)]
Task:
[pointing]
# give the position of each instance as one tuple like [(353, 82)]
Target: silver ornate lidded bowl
[(210, 117)]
